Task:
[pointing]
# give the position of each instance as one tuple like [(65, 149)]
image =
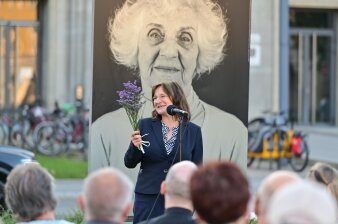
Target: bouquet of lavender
[(131, 100)]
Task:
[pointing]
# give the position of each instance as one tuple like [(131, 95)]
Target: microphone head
[(170, 110)]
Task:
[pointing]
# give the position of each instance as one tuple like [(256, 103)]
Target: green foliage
[(253, 221), (7, 217), (62, 167), (76, 217)]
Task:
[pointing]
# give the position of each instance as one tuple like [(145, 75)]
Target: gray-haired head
[(302, 202), (29, 191), (125, 28), (107, 192), (268, 187), (178, 180)]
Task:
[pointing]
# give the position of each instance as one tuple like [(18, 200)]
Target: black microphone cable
[(179, 148)]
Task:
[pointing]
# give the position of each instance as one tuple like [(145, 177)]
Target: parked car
[(10, 157)]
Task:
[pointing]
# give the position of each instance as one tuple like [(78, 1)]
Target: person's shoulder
[(63, 222), (49, 222), (151, 221), (193, 125), (149, 119), (216, 115), (109, 117)]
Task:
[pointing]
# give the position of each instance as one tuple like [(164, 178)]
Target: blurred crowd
[(215, 193)]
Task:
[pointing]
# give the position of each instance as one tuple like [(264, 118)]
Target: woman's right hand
[(136, 138)]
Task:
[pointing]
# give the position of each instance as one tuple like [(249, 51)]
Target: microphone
[(173, 110)]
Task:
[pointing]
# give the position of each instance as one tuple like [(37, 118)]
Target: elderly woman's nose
[(169, 49)]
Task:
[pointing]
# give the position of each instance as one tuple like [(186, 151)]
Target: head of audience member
[(176, 187), (220, 193), (302, 202), (29, 193), (268, 187), (325, 174), (106, 196)]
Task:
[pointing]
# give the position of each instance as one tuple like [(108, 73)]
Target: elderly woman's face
[(168, 48)]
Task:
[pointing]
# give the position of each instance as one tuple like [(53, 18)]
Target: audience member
[(176, 191), (220, 193), (106, 197), (302, 202), (325, 174), (29, 193), (268, 187)]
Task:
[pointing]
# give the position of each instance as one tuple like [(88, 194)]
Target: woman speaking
[(169, 139), (170, 41)]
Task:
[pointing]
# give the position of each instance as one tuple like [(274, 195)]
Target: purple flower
[(131, 100)]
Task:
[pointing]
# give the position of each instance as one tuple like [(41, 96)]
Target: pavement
[(323, 146), (67, 192)]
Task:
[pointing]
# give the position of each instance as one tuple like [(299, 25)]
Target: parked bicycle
[(67, 131), (272, 138), (27, 120), (16, 127)]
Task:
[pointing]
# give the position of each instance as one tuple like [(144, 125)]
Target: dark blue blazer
[(172, 215), (155, 163)]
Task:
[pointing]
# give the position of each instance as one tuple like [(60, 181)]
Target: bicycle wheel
[(299, 162), (250, 161), (3, 134), (28, 135), (254, 126), (2, 196), (51, 139), (16, 136)]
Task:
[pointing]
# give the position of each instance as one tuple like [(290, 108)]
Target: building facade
[(46, 52), (312, 58), (59, 56)]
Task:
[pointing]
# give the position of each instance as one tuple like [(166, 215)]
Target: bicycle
[(12, 129), (270, 138), (64, 133)]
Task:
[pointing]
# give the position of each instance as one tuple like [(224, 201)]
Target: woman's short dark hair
[(175, 94), (219, 192)]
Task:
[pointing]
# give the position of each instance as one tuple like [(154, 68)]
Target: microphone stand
[(180, 122)]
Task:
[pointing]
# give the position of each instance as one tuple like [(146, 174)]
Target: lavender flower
[(131, 100)]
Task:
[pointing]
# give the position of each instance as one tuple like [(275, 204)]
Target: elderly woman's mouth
[(167, 69)]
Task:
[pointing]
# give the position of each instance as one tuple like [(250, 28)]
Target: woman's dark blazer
[(155, 163)]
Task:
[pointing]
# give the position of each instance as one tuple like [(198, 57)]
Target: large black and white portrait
[(201, 44)]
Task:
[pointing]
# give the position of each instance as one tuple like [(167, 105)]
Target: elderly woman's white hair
[(125, 27), (302, 202)]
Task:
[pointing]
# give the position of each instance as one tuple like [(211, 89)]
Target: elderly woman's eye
[(155, 35), (185, 38)]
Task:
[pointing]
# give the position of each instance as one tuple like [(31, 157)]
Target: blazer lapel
[(157, 129), (177, 142)]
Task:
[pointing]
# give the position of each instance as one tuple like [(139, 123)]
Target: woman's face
[(168, 48), (161, 101)]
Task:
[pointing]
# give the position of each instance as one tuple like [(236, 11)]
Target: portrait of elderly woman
[(172, 40)]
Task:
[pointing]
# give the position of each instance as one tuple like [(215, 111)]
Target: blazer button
[(165, 171)]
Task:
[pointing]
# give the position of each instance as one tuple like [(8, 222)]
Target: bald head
[(313, 205), (178, 180), (107, 193), (269, 186)]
